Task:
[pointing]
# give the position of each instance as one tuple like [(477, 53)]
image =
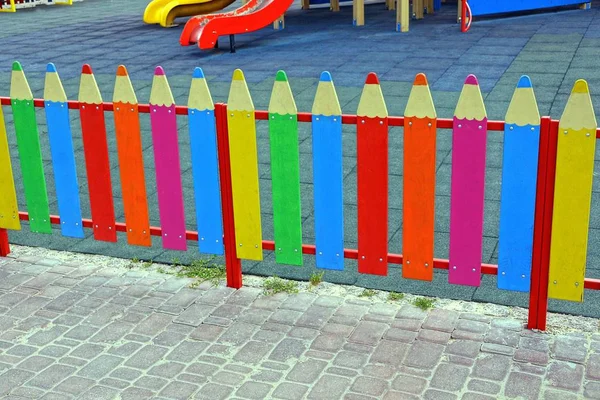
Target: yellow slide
[(164, 12)]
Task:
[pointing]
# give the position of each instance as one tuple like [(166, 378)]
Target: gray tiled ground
[(553, 48), (71, 331)]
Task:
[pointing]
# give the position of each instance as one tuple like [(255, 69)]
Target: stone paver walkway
[(93, 331)]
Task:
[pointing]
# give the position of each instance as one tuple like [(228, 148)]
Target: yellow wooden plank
[(572, 196), (244, 170), (9, 211), (402, 15)]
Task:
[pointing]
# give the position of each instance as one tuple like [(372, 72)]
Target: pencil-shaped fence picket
[(547, 174)]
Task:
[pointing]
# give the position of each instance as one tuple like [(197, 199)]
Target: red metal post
[(542, 233), (463, 16), (4, 245), (233, 265)]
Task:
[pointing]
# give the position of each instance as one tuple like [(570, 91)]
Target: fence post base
[(233, 265), (4, 245)]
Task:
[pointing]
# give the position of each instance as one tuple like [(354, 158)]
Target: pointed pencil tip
[(17, 66), (159, 71), (581, 86), (51, 67), (471, 80), (372, 79), (87, 69), (420, 80), (524, 82), (198, 73), (122, 71), (325, 76), (281, 76), (238, 75)]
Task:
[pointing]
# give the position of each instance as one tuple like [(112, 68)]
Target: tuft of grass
[(147, 264), (202, 270), (367, 293), (276, 285), (316, 278), (423, 303), (176, 262), (135, 260), (393, 296)]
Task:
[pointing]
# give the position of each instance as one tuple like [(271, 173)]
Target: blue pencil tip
[(51, 68), (524, 82), (325, 76), (198, 73)]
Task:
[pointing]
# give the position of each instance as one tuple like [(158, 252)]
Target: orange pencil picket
[(131, 163), (419, 182)]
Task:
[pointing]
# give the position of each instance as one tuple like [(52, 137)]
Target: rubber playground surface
[(554, 49)]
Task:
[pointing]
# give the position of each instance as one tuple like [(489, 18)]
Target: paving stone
[(434, 336), (470, 325), (112, 333), (75, 385), (206, 332), (133, 393), (270, 336), (491, 366), (194, 315), (479, 385), (369, 333), (46, 336), (35, 363), (389, 352), (379, 371), (303, 333), (315, 317), (306, 371), (13, 378), (290, 391), (592, 390), (329, 387), (507, 324), (531, 356), (393, 395), (55, 351), (534, 344), (449, 377), (228, 378), (369, 386), (529, 368), (350, 373), (87, 351), (464, 335), (593, 367), (412, 325), (410, 384), (52, 375), (564, 375), (550, 394), (124, 350), (464, 348), (348, 359), (328, 342), (168, 339), (167, 369), (254, 390), (24, 392), (477, 396), (125, 373), (267, 376), (229, 311), (423, 355), (213, 391), (187, 351), (284, 316), (523, 386), (238, 333), (299, 301), (337, 329), (179, 390), (288, 349), (432, 394), (408, 311), (503, 337), (253, 352), (146, 357), (497, 349), (151, 382), (328, 301), (568, 348), (441, 320), (154, 324), (400, 335), (22, 350)]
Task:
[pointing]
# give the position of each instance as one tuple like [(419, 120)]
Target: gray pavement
[(555, 49), (99, 330)]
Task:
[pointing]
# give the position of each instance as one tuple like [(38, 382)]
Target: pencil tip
[(51, 67), (581, 86), (159, 71), (238, 75), (372, 79), (524, 82), (325, 76), (281, 76), (420, 80), (471, 80), (198, 73), (17, 66), (87, 69), (122, 71)]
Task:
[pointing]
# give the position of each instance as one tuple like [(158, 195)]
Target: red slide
[(252, 16)]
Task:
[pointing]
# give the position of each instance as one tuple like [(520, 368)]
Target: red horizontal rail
[(442, 123)]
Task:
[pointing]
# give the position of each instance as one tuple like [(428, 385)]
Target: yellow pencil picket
[(244, 169), (9, 211), (572, 196)]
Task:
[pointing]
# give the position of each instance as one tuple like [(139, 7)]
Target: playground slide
[(254, 15), (164, 12)]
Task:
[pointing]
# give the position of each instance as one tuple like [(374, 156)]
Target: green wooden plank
[(285, 173), (30, 156)]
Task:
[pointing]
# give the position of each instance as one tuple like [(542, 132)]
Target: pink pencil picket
[(468, 180)]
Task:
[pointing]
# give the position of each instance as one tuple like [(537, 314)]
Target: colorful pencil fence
[(547, 178)]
